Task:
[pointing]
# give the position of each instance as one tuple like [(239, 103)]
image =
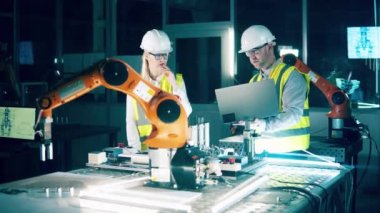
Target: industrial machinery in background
[(341, 123), (163, 110)]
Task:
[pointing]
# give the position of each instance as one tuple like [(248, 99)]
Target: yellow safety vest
[(296, 137), (144, 127)]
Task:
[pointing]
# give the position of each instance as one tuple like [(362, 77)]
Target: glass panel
[(195, 11), (328, 54), (6, 23), (199, 60), (134, 18), (83, 38), (8, 88), (77, 26), (37, 40)]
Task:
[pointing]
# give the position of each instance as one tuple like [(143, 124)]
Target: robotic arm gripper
[(162, 109)]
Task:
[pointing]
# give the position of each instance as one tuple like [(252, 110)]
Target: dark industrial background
[(46, 42)]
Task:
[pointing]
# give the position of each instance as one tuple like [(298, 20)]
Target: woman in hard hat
[(290, 129), (156, 46)]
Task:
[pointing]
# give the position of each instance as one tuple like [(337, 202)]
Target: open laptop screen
[(247, 101), (17, 122)]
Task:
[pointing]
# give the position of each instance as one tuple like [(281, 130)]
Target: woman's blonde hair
[(145, 72)]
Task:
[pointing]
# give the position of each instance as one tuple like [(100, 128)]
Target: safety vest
[(143, 125), (296, 137)]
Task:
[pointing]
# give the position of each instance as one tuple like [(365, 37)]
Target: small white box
[(230, 167), (97, 158), (140, 159)]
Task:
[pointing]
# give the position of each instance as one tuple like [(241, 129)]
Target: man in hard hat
[(290, 129), (156, 46)]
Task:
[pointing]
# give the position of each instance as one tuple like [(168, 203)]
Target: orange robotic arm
[(338, 100), (162, 109)]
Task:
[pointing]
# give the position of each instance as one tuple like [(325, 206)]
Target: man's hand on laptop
[(239, 123), (237, 127), (258, 125)]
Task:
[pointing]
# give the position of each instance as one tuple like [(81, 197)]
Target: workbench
[(273, 185)]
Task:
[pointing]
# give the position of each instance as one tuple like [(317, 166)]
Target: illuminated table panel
[(273, 186)]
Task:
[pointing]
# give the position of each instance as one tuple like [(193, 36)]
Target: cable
[(364, 133), (303, 192), (312, 184), (242, 149), (317, 156), (332, 163), (350, 194), (38, 119), (340, 167), (367, 134), (359, 181), (299, 189), (318, 131), (372, 141), (303, 183), (247, 173)]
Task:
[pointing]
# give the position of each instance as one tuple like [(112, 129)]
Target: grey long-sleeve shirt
[(293, 99)]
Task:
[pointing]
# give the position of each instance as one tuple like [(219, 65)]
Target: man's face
[(259, 56)]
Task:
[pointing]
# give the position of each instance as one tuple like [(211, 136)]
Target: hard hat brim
[(160, 52), (273, 43)]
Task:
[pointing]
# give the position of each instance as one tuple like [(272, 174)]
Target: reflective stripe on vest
[(144, 127), (296, 137)]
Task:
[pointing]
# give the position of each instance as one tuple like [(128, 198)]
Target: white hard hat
[(255, 36), (156, 41)]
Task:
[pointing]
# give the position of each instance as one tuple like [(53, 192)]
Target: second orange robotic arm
[(338, 100)]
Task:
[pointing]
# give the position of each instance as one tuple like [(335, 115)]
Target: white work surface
[(273, 186)]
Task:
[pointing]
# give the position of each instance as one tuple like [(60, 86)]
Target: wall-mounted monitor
[(17, 122), (363, 42)]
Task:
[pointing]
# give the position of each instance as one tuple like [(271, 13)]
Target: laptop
[(247, 101)]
